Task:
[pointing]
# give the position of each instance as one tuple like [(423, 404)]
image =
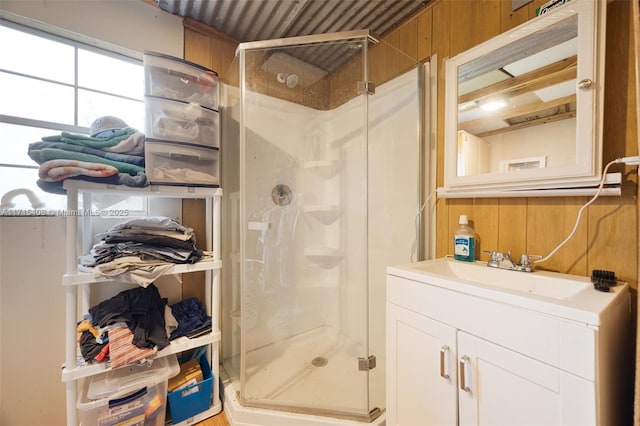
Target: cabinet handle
[(443, 350), (463, 383)]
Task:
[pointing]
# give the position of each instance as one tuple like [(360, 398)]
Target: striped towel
[(56, 170)]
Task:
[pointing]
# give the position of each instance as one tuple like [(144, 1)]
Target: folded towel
[(138, 181), (41, 156), (127, 141), (124, 158), (133, 145), (56, 170), (94, 142)]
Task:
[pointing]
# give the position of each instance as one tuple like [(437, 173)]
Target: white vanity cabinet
[(467, 358), (421, 372)]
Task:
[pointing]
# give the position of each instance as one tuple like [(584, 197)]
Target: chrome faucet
[(503, 261)]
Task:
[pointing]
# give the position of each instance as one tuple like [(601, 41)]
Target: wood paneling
[(423, 39), (549, 222), (197, 48), (511, 19), (472, 22), (440, 42), (407, 45), (208, 48), (193, 215)]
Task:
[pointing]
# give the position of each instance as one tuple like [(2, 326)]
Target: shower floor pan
[(313, 372)]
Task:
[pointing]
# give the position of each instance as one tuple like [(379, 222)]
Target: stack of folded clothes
[(140, 250), (113, 153)]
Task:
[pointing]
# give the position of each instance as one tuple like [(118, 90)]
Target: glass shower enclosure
[(322, 173)]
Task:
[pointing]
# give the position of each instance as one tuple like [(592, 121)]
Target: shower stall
[(322, 168)]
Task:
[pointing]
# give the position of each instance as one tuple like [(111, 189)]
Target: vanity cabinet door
[(421, 370), (507, 388)]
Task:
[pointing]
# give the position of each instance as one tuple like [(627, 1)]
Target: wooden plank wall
[(214, 50)]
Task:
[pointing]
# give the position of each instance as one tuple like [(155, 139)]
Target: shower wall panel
[(301, 280)]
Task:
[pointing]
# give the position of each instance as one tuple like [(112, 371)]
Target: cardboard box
[(190, 373)]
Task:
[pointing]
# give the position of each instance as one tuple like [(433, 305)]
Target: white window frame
[(96, 47)]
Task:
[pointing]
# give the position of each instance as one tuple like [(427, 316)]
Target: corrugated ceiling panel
[(253, 20)]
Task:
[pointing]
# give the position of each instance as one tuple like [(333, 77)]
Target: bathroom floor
[(219, 419)]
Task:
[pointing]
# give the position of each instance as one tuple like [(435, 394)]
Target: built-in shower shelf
[(324, 168), (324, 213), (326, 257)]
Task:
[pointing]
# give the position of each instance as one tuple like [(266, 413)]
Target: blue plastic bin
[(193, 399)]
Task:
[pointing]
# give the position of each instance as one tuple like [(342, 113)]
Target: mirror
[(522, 109)]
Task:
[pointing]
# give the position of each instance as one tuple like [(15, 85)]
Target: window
[(51, 84)]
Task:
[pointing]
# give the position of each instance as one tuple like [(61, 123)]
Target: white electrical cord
[(625, 160)]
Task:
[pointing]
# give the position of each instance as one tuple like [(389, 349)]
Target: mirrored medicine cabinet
[(523, 111)]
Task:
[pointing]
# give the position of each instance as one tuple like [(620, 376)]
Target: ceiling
[(254, 20)]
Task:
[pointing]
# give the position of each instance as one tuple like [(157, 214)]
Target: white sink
[(556, 286), (569, 296)]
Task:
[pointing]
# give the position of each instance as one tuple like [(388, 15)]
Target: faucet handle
[(494, 255), (508, 255), (525, 259)]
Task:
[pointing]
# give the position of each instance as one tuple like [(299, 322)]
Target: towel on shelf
[(137, 160), (138, 181), (57, 170), (41, 156), (127, 140)]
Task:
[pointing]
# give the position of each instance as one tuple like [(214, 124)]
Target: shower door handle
[(444, 362)]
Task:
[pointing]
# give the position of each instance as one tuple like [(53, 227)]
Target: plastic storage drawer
[(181, 164), (187, 122), (134, 394), (175, 78), (192, 399)]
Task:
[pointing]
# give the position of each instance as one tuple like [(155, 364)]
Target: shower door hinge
[(366, 364), (366, 87)]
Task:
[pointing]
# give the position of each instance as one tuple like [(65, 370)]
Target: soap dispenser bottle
[(464, 241)]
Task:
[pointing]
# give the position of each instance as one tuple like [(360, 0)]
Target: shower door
[(304, 228), (298, 331)]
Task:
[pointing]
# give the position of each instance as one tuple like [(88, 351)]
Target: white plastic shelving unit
[(77, 284)]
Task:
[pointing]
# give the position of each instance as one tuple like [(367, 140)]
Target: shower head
[(292, 71), (291, 80)]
